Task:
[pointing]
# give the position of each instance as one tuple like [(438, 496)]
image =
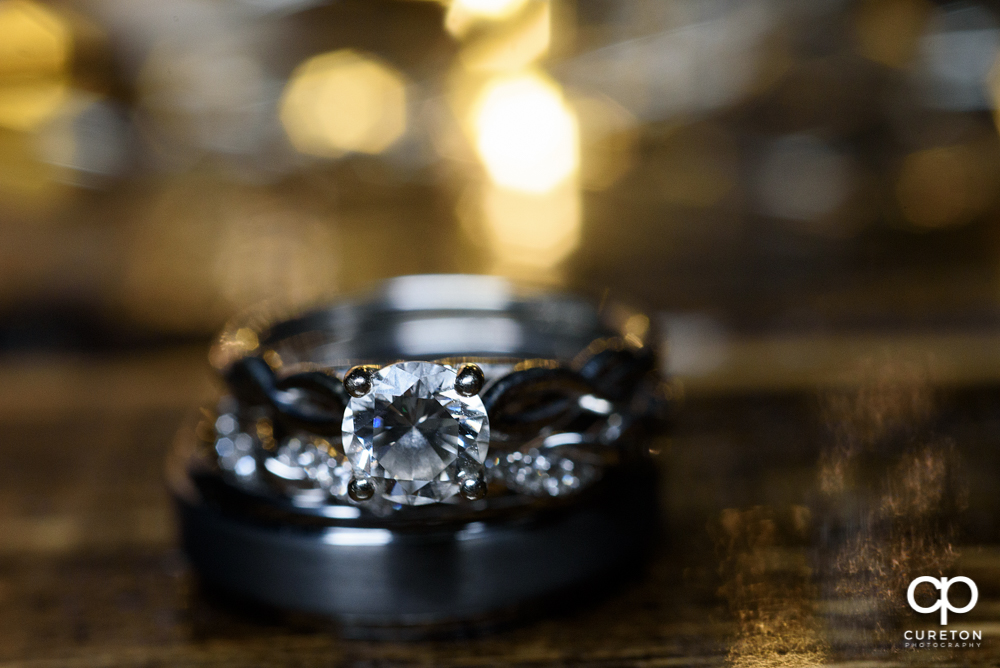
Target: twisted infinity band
[(497, 393)]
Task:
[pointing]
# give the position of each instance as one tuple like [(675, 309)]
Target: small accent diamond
[(557, 471), (302, 464)]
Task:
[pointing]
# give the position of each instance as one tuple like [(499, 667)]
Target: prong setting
[(360, 489), (358, 381), (470, 380), (472, 488)]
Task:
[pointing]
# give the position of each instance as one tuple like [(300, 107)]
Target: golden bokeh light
[(525, 133), (524, 230), (27, 106), (492, 9), (343, 102), (35, 49), (462, 14), (34, 40), (636, 327), (514, 47), (945, 186)]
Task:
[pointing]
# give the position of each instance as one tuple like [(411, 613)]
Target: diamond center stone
[(414, 434)]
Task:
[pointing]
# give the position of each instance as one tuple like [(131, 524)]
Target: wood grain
[(90, 574)]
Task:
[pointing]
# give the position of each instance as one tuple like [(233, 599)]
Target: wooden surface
[(90, 574)]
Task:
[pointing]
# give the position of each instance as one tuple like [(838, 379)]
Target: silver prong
[(472, 488), (358, 381), (469, 380), (361, 489)]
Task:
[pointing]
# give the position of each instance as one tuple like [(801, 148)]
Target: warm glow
[(34, 40), (35, 45), (28, 106), (343, 101), (493, 9), (525, 134), (636, 327), (463, 13), (527, 230), (515, 46)]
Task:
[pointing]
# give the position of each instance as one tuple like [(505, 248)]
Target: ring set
[(418, 432), (439, 413)]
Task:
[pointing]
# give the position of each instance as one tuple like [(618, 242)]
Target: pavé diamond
[(557, 471), (414, 434), (303, 465)]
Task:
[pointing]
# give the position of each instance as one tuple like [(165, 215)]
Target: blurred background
[(803, 194), (762, 166)]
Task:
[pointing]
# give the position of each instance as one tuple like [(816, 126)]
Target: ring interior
[(433, 317)]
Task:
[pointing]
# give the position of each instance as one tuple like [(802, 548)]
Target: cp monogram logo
[(943, 604)]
